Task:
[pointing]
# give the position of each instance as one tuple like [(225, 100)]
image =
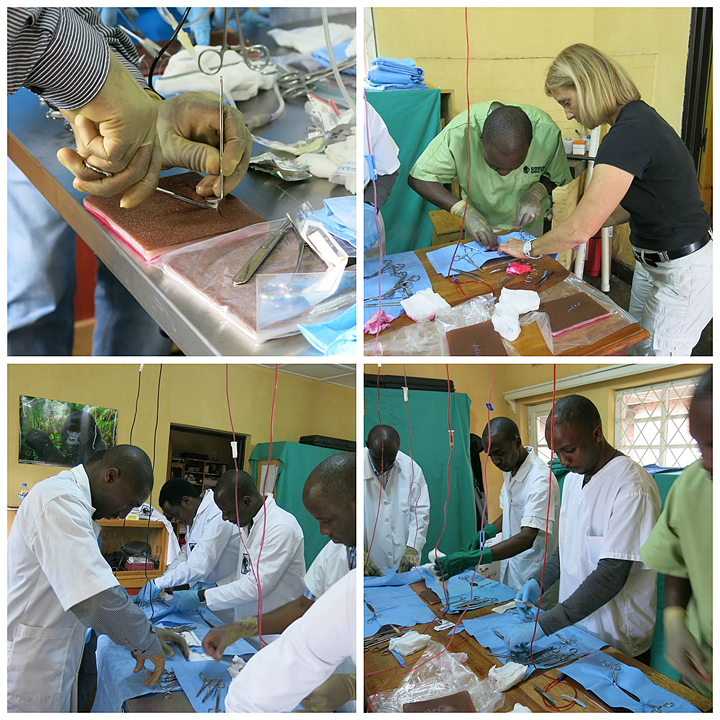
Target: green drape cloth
[(413, 120), (296, 463), (430, 450)]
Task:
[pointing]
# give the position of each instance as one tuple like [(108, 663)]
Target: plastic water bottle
[(23, 492)]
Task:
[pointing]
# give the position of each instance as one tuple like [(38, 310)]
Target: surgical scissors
[(295, 85), (658, 708), (387, 267), (256, 57), (613, 667)]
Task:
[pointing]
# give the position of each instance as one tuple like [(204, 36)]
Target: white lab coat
[(611, 517), (211, 551), (384, 148), (327, 568), (54, 563), (282, 566), (524, 502), (399, 524), (283, 673)]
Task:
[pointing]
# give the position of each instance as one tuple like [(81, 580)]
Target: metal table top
[(33, 142)]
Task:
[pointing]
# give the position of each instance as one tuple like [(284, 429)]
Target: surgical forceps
[(387, 267), (403, 285), (375, 615), (658, 708), (260, 53), (613, 667), (296, 85)]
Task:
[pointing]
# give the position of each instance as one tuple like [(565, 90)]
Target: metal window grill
[(651, 423)]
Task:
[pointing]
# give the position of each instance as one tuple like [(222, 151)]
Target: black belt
[(653, 257)]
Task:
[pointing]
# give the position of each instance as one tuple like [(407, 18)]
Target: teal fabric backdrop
[(430, 450), (296, 463), (413, 120)]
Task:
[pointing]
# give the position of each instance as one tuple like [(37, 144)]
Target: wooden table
[(530, 342), (480, 662)]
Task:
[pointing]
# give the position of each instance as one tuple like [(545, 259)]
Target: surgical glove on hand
[(519, 637), (371, 568), (116, 132), (490, 532), (187, 600), (202, 586), (463, 560), (529, 594), (158, 662), (530, 205), (682, 650), (188, 129), (476, 226), (338, 689), (409, 560), (148, 593), (166, 636), (219, 638)]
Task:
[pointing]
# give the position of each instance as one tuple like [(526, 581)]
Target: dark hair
[(173, 491), (703, 390), (577, 411), (335, 477), (501, 427), (132, 463), (246, 484), (508, 129)]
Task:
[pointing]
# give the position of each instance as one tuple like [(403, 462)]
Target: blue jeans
[(41, 287)]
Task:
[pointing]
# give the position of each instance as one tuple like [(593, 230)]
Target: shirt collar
[(524, 469), (83, 482)]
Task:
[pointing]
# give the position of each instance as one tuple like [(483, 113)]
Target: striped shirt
[(62, 54)]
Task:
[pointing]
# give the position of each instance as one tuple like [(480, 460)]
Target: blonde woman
[(645, 174)]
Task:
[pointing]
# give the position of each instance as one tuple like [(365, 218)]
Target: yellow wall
[(191, 395), (474, 380)]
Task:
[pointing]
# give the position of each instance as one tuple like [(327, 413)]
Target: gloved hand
[(490, 532), (219, 638), (463, 560), (371, 568), (476, 226), (682, 650), (521, 635), (166, 637), (158, 662), (116, 132), (201, 29), (338, 689), (202, 586), (530, 205), (409, 560), (189, 136), (186, 600), (528, 594), (148, 593)]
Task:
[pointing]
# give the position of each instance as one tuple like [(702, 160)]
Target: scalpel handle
[(254, 263)]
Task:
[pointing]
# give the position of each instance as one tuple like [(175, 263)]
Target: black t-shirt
[(663, 200)]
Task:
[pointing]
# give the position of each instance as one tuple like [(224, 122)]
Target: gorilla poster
[(53, 432)]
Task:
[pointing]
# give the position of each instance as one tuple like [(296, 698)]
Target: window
[(537, 415), (651, 423)]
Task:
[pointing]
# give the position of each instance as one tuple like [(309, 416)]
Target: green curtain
[(413, 120), (296, 463), (430, 450)]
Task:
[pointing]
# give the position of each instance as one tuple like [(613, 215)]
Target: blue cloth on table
[(469, 257), (395, 86), (334, 337), (482, 630), (322, 57), (381, 76), (596, 677), (457, 589), (411, 265), (392, 577), (398, 605), (188, 676), (116, 681)]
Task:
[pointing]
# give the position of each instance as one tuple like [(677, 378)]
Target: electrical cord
[(164, 48), (147, 536)]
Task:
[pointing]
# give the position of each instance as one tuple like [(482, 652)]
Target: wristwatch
[(527, 250), (201, 596)]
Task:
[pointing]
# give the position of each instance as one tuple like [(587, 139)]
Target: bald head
[(577, 411), (383, 444), (245, 484), (501, 428), (509, 130), (241, 507), (503, 444), (132, 463)]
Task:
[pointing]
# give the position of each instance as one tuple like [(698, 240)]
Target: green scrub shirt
[(493, 195), (680, 544)]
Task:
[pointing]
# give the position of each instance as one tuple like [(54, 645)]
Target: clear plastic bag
[(588, 335), (435, 675), (420, 338), (287, 300)]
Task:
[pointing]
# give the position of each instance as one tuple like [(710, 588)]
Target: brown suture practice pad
[(458, 702), (476, 340), (572, 312), (162, 223)]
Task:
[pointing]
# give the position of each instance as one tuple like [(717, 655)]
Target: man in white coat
[(609, 506), (278, 677), (212, 545), (397, 504), (59, 584), (281, 566), (329, 496), (528, 486)]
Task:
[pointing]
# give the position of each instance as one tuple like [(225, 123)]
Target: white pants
[(673, 302)]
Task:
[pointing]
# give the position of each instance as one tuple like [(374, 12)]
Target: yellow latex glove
[(476, 226), (371, 568), (408, 561), (116, 132), (334, 692), (682, 650), (188, 128), (219, 638)]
